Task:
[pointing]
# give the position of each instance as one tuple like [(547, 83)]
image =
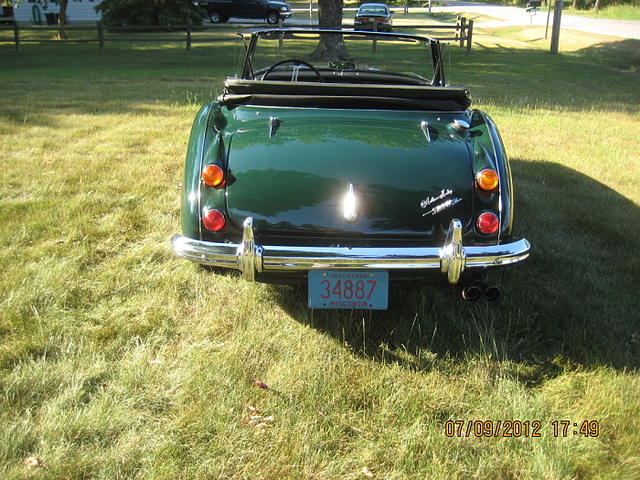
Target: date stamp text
[(518, 428)]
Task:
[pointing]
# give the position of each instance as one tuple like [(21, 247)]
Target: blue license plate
[(349, 289)]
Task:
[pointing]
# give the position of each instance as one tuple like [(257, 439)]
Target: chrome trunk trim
[(274, 124), (460, 126), (424, 125)]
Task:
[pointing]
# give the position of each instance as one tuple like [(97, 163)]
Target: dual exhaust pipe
[(475, 291)]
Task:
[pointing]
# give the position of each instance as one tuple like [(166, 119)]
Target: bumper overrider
[(450, 259)]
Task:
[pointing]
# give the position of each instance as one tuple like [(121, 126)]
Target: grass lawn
[(614, 12), (118, 360)]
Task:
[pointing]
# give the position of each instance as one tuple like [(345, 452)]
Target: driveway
[(514, 16)]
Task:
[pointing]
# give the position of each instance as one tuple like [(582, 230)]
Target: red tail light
[(383, 20), (359, 19), (488, 223), (213, 176), (213, 220)]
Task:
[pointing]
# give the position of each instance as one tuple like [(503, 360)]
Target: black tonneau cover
[(336, 95)]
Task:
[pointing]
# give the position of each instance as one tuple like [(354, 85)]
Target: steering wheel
[(294, 73)]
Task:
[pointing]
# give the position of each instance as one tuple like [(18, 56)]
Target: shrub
[(149, 12)]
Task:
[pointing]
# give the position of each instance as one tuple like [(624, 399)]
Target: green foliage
[(149, 12), (402, 3), (614, 12)]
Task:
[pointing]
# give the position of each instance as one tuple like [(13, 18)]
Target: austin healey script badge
[(442, 198)]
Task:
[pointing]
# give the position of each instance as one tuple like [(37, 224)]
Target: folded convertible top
[(335, 95)]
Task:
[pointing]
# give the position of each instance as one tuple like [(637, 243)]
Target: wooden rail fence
[(461, 32)]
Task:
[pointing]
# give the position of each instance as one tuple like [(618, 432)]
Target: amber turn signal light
[(213, 220), (488, 223), (212, 175), (487, 179)]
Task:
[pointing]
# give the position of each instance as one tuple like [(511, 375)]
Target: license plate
[(349, 289)]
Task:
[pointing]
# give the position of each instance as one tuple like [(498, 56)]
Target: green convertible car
[(344, 160)]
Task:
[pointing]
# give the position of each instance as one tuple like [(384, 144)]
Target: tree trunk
[(331, 46), (597, 5), (62, 19)]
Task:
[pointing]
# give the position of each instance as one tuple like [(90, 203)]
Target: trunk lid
[(291, 169)]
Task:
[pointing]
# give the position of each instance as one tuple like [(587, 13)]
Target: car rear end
[(373, 17), (300, 189), (347, 186)]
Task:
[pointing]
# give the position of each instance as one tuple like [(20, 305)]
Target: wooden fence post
[(100, 35), (188, 33), (16, 35), (463, 27), (469, 36), (458, 17), (280, 36)]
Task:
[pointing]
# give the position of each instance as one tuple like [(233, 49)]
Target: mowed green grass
[(118, 360), (615, 12)]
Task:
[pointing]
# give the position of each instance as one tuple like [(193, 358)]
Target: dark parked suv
[(270, 10)]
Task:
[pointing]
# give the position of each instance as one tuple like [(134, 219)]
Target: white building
[(35, 11)]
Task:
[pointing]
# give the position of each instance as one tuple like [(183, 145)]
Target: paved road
[(514, 16)]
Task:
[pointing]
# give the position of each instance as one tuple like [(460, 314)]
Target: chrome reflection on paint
[(349, 205)]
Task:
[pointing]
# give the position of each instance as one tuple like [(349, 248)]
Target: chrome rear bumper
[(451, 259)]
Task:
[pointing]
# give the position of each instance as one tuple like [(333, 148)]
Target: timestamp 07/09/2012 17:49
[(518, 428)]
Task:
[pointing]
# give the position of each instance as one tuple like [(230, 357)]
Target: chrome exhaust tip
[(491, 293), (471, 293)]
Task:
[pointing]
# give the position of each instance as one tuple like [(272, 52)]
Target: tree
[(149, 12), (62, 18), (330, 47)]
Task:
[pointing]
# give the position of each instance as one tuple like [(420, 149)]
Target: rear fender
[(206, 145), (488, 152)]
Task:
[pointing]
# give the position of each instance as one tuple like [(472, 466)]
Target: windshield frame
[(433, 44)]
